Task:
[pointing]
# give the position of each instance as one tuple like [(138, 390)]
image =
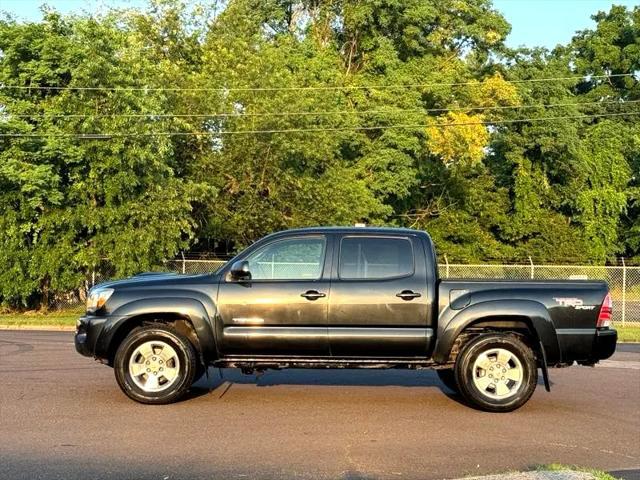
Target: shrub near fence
[(624, 282)]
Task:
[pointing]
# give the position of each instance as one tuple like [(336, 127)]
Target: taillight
[(604, 317)]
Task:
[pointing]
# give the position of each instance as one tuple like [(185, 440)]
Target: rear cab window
[(375, 258)]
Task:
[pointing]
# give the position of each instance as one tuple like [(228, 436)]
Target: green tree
[(613, 48), (225, 122), (70, 205)]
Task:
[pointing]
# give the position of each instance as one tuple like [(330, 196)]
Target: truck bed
[(572, 306)]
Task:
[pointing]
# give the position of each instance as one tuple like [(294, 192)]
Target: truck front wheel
[(155, 364), (496, 372), (447, 376)]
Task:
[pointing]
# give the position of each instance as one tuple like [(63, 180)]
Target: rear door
[(379, 301), (283, 309)]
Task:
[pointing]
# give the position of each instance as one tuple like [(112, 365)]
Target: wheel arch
[(188, 316), (529, 318)]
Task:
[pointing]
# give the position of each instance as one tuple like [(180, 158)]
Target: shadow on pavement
[(77, 465), (219, 381), (630, 474), (328, 377)]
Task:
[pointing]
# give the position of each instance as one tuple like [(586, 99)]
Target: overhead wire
[(304, 88)]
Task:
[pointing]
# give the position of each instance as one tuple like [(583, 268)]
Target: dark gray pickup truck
[(344, 298)]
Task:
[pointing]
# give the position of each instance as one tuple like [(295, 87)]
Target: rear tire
[(496, 372), (447, 376), (155, 365)]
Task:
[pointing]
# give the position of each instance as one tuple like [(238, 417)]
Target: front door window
[(293, 259)]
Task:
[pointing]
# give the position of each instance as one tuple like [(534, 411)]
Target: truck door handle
[(313, 295), (408, 295)]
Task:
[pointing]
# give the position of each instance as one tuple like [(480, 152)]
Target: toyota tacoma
[(345, 298)]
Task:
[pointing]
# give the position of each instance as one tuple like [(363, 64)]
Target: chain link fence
[(193, 267), (75, 299), (623, 281)]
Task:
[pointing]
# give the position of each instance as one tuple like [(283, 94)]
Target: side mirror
[(240, 270)]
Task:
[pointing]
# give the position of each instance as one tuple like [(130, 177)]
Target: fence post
[(446, 262), (184, 265), (624, 291), (532, 268)]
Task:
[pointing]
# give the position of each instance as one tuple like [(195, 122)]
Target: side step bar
[(263, 363)]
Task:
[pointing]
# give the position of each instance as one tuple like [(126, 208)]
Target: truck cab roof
[(352, 230)]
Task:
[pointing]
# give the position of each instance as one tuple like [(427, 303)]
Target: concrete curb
[(619, 364), (537, 475), (42, 328)]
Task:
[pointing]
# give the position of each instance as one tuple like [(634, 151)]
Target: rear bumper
[(605, 343)]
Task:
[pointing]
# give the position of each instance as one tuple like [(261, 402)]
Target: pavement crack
[(229, 384)]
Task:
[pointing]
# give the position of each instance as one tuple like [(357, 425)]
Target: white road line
[(619, 364)]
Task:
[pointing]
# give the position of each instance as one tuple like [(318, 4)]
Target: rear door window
[(369, 258)]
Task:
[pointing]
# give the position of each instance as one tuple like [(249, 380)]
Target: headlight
[(97, 299)]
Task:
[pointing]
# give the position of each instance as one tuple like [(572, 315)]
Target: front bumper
[(88, 330), (605, 343)]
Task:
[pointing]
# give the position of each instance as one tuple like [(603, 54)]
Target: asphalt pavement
[(62, 416)]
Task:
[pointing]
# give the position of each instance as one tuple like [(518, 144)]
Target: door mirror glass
[(240, 270)]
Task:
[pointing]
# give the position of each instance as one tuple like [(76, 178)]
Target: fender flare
[(453, 322), (187, 308)]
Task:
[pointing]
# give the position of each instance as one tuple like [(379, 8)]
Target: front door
[(379, 300), (283, 309)]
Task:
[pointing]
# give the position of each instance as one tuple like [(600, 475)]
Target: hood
[(154, 279)]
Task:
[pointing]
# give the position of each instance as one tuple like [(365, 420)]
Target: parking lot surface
[(63, 416)]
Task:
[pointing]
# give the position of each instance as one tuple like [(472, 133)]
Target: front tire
[(496, 372), (155, 365), (447, 376)]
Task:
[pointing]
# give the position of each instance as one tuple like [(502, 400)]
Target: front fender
[(453, 322), (188, 308)]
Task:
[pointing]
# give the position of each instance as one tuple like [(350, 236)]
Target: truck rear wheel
[(155, 364), (496, 372)]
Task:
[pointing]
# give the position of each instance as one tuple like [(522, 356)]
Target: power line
[(107, 136), (320, 113), (326, 87)]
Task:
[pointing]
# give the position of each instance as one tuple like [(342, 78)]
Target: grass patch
[(64, 318), (628, 334), (555, 467)]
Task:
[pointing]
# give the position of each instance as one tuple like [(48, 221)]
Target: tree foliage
[(286, 114)]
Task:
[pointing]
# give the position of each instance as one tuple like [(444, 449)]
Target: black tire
[(470, 382), (200, 371), (447, 377), (185, 361)]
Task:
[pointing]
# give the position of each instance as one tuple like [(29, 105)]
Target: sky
[(534, 22), (547, 23)]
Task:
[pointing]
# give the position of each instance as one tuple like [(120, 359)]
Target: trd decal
[(576, 303)]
